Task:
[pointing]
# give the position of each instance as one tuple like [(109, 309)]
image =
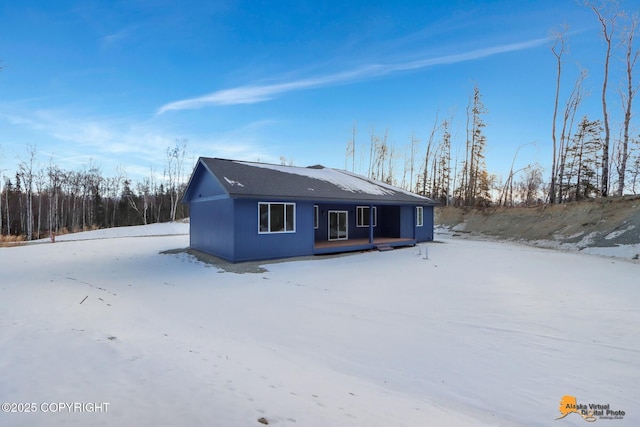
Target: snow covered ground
[(479, 334)]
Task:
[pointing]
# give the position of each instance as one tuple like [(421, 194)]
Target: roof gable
[(251, 179), (203, 184)]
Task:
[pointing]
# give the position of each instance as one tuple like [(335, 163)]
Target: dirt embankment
[(606, 222)]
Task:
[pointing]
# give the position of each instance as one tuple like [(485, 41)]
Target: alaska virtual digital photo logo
[(589, 412)]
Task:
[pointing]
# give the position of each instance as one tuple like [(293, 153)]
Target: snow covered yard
[(480, 334)]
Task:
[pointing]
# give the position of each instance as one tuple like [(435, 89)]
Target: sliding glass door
[(338, 225)]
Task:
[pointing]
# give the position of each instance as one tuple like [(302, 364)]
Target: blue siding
[(354, 232), (251, 245), (211, 227), (228, 228), (425, 233), (407, 222), (322, 232), (203, 186)]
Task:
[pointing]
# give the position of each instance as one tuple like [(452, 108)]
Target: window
[(362, 216), (315, 216), (277, 217), (419, 216)]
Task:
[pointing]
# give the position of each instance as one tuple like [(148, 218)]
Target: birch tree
[(175, 173), (55, 175), (558, 49), (25, 170), (607, 14), (40, 181), (631, 57)]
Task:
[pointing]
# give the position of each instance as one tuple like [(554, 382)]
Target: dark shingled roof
[(250, 179)]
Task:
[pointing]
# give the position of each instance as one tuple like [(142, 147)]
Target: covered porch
[(354, 227)]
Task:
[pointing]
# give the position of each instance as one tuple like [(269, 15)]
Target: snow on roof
[(343, 179), (232, 182)]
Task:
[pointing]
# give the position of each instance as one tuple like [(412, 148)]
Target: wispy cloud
[(251, 94), (72, 141), (117, 37), (64, 132)]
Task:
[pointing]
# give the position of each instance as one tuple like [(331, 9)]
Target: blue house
[(243, 211)]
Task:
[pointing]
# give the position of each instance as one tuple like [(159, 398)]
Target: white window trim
[(375, 216), (316, 217), (346, 215), (285, 204), (419, 216)]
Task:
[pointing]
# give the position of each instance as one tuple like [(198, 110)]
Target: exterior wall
[(393, 221), (425, 233), (407, 222), (252, 245), (202, 186), (321, 233), (354, 232), (211, 227), (228, 228)]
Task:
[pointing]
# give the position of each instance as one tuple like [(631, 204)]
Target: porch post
[(371, 224)]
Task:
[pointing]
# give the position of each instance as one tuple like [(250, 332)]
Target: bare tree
[(607, 13), (7, 187), (381, 154), (634, 170), (412, 159), (508, 186), (627, 99), (390, 179), (175, 173), (427, 157), (351, 151), (27, 175), (144, 189), (156, 195), (55, 176), (373, 143), (558, 49), (40, 180), (530, 186)]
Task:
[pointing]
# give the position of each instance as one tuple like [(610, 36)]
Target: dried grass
[(7, 241)]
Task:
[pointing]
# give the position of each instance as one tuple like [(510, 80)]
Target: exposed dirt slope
[(605, 222)]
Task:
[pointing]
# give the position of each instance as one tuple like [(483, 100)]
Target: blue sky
[(117, 82)]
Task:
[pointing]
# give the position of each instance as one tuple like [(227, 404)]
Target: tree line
[(463, 180), (589, 158), (40, 200)]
